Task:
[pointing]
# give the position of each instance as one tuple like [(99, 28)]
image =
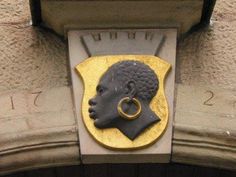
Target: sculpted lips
[(92, 113)]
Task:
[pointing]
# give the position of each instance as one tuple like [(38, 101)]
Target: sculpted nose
[(92, 102)]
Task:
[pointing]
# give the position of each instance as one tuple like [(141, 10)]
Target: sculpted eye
[(100, 90)]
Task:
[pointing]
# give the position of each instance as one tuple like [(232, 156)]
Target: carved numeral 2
[(207, 102)]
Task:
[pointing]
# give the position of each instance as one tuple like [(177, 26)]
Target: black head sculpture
[(123, 96)]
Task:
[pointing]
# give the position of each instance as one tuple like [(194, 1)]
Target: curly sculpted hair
[(142, 75)]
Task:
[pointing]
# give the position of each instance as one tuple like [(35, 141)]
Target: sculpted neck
[(132, 128)]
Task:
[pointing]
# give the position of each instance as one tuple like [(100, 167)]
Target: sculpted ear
[(131, 89)]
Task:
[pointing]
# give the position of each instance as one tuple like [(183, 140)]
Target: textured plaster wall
[(29, 57), (32, 57), (209, 56)]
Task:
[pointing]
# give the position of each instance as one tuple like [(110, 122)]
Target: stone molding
[(37, 130), (197, 138), (204, 128)]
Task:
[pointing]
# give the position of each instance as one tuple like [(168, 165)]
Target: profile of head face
[(124, 93)]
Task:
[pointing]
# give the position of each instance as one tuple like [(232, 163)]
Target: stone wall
[(32, 57), (209, 56)]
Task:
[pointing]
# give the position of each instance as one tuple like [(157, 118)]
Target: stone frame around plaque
[(91, 151)]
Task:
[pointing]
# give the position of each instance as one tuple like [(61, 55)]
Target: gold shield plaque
[(92, 69)]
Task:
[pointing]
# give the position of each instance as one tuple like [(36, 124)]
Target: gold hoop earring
[(129, 116)]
